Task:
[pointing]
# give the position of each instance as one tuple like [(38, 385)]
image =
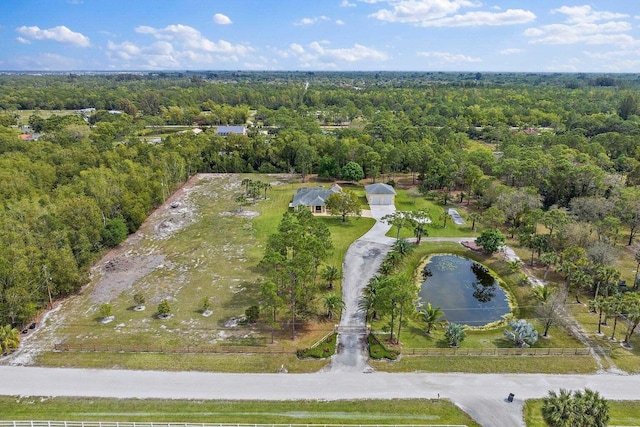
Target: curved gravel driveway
[(361, 262)]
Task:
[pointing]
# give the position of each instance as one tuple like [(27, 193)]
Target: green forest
[(559, 150)]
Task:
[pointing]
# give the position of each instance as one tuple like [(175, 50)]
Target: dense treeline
[(88, 181)]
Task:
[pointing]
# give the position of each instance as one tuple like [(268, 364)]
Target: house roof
[(231, 129), (379, 188), (315, 196)]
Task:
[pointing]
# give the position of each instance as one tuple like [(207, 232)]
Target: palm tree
[(444, 216), (370, 300), (599, 305), (333, 303), (596, 408), (431, 316), (9, 338), (542, 294), (419, 231), (474, 216), (548, 259), (558, 409), (331, 273), (614, 308), (586, 408), (580, 279)]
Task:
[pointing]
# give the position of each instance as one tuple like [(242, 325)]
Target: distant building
[(531, 131), (314, 198), (231, 130)]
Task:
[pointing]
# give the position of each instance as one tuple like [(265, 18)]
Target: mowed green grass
[(623, 413), (215, 256), (411, 411), (406, 202)]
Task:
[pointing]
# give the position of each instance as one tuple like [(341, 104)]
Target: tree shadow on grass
[(244, 296)]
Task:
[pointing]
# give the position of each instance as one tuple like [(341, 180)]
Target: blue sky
[(339, 35)]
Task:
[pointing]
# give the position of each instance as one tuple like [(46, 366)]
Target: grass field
[(412, 411), (623, 413), (216, 255), (406, 202)]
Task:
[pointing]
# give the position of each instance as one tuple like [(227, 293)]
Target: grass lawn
[(243, 363), (405, 202), (491, 364), (623, 413), (622, 358), (410, 411), (215, 255)]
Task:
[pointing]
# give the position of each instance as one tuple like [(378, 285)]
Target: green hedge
[(326, 348), (378, 351)]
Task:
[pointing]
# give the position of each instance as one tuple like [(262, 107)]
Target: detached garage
[(380, 194)]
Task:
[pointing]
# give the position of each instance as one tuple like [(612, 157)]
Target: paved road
[(482, 395)]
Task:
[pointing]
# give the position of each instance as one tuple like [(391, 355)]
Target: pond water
[(464, 289)]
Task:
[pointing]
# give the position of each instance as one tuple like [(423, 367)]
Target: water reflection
[(466, 290)]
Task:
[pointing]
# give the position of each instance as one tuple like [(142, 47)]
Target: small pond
[(464, 289)]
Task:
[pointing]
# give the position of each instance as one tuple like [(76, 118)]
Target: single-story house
[(314, 198), (231, 130), (380, 194)]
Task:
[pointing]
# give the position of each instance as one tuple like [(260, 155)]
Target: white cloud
[(311, 21), (345, 3), (582, 14), (221, 19), (449, 13), (318, 54), (124, 50), (356, 53), (59, 34), (510, 51), (417, 11), (478, 19), (449, 58), (583, 25), (296, 48), (23, 40), (175, 47), (339, 22), (188, 38)]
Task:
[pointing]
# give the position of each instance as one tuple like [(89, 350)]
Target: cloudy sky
[(397, 35)]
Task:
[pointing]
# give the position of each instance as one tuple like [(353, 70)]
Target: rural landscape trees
[(548, 162)]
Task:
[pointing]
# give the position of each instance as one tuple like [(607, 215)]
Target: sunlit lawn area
[(623, 358), (406, 202), (370, 412), (623, 413)]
